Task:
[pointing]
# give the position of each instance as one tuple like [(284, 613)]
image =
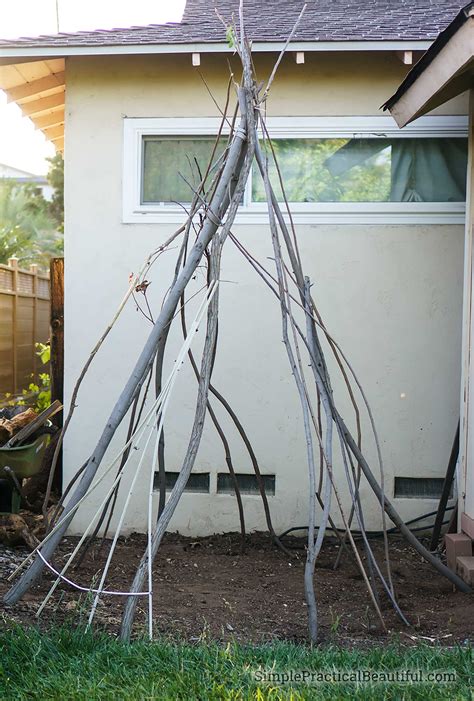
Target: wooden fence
[(24, 321)]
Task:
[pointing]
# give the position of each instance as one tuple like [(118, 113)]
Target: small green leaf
[(44, 352), (230, 36)]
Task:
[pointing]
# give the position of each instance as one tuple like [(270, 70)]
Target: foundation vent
[(198, 482), (248, 484), (418, 487)]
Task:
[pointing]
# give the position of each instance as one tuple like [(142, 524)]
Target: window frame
[(134, 129)]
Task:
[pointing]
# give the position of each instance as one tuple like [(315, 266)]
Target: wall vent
[(248, 484), (418, 487), (198, 482)]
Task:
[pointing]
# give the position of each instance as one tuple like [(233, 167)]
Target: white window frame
[(293, 127)]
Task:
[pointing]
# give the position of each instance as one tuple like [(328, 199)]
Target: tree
[(55, 178), (30, 226), (27, 230)]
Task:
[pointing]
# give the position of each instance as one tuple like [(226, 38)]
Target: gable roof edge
[(465, 14), (39, 52)]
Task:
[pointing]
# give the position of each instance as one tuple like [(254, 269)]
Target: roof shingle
[(273, 20)]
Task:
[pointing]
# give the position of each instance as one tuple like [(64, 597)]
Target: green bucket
[(25, 460)]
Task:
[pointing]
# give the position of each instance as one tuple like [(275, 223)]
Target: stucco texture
[(390, 295)]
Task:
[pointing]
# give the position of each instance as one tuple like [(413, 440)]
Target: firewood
[(21, 420), (8, 427), (37, 422)]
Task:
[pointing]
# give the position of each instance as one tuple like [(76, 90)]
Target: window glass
[(173, 167), (368, 170)]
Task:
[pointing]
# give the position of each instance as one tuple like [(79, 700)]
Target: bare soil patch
[(208, 588)]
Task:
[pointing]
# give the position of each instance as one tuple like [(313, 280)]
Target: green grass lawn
[(70, 664)]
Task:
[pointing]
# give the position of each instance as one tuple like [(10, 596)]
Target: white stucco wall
[(391, 295)]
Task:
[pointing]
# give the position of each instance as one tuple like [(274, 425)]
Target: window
[(173, 167), (368, 170), (359, 170)]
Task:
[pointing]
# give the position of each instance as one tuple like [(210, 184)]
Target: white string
[(89, 590), (149, 418)]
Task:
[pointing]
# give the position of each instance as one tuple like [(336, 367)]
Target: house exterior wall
[(390, 295), (466, 472)]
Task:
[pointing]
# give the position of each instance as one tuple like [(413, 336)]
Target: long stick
[(241, 176), (319, 367), (311, 553), (445, 492), (157, 406)]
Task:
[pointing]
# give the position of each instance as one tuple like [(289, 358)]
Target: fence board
[(24, 321)]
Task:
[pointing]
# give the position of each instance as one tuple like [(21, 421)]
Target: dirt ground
[(208, 588)]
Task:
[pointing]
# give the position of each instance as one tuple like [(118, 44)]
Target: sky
[(21, 145)]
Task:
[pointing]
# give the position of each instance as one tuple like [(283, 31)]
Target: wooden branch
[(282, 53), (72, 406), (223, 198), (310, 594), (264, 273), (235, 186)]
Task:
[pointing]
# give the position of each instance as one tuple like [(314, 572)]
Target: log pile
[(12, 422)]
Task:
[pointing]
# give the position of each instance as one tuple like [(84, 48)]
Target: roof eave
[(43, 52)]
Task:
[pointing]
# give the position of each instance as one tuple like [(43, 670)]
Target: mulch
[(207, 588)]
